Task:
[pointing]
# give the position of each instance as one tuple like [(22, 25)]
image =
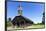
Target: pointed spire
[(19, 9)]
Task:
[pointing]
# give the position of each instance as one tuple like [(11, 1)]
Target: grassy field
[(28, 27), (36, 26), (33, 26)]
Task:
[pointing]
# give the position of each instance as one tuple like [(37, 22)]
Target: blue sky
[(33, 11)]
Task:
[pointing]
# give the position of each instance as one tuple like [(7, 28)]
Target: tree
[(9, 19), (43, 19), (9, 22)]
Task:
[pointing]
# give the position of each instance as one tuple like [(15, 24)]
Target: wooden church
[(21, 20)]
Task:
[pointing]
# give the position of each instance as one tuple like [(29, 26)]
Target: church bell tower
[(20, 10)]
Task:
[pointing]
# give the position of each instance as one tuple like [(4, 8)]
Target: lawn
[(28, 27)]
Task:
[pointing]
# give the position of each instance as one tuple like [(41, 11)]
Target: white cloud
[(31, 0)]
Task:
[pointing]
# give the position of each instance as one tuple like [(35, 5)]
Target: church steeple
[(19, 9)]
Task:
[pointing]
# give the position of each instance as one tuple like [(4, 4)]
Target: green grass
[(36, 26), (33, 26), (9, 24)]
